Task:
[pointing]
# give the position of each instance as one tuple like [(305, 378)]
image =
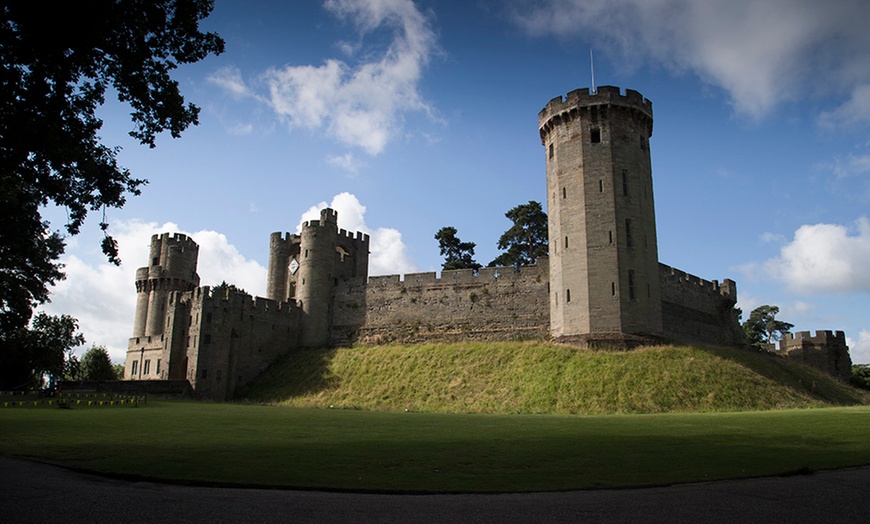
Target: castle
[(602, 284)]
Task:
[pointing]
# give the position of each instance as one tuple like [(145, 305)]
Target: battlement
[(172, 238), (604, 95), (240, 301), (358, 236), (461, 276), (822, 337), (675, 276), (279, 237)]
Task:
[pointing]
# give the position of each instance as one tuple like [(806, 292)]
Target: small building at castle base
[(602, 284)]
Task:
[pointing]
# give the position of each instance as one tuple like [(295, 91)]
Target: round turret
[(315, 278), (172, 267)]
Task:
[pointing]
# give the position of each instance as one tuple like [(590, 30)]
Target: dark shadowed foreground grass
[(365, 450)]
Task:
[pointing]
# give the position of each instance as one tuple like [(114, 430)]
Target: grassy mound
[(544, 378)]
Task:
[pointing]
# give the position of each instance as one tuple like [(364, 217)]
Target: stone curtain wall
[(494, 304), (234, 338), (698, 311)]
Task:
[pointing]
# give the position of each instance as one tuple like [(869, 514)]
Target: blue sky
[(408, 116)]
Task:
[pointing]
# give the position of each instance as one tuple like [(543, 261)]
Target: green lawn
[(365, 450)]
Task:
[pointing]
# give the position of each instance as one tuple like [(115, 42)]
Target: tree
[(762, 327), (45, 348), (57, 61), (457, 254), (119, 371), (96, 364), (224, 289), (860, 376), (527, 238)]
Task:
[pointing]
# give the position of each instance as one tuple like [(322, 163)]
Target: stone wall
[(501, 303), (233, 338), (698, 311), (826, 351)]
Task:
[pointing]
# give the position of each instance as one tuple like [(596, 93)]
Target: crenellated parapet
[(581, 102), (827, 351), (484, 275), (670, 276)]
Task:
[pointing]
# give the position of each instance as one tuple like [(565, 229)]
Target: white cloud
[(855, 111), (361, 104), (760, 51), (103, 296), (849, 166), (230, 79), (859, 349), (389, 254), (824, 258), (348, 162)]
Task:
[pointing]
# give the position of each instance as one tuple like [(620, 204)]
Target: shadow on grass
[(298, 373), (801, 378)]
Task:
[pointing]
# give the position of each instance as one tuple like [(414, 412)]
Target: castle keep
[(602, 283)]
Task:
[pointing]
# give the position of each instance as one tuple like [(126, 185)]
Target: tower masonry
[(604, 271)]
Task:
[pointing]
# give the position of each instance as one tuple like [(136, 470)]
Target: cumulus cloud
[(824, 258), (859, 349), (103, 297), (360, 104), (760, 52), (389, 254)]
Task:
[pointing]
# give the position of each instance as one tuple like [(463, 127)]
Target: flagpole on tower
[(592, 67)]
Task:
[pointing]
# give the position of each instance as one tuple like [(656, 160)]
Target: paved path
[(35, 492)]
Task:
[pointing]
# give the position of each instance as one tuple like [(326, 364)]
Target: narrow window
[(567, 296), (155, 261), (146, 368), (624, 182), (613, 288), (610, 237), (631, 284), (628, 232), (557, 299), (134, 368), (306, 253), (564, 192), (157, 371), (551, 150), (566, 242), (601, 186), (596, 135)]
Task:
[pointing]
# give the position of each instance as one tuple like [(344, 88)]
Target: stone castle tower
[(172, 268), (307, 267), (604, 270)]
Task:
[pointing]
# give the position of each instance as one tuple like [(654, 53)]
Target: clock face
[(294, 266)]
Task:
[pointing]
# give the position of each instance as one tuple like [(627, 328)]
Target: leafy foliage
[(457, 254), (860, 376), (224, 290), (46, 348), (96, 364), (763, 328), (527, 238), (56, 63)]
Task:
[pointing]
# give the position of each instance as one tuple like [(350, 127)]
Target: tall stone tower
[(604, 270), (172, 268), (307, 267)]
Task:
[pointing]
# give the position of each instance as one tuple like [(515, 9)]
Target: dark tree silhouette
[(457, 254), (527, 238), (57, 62)]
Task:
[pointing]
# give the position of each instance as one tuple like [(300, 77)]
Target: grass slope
[(544, 378)]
